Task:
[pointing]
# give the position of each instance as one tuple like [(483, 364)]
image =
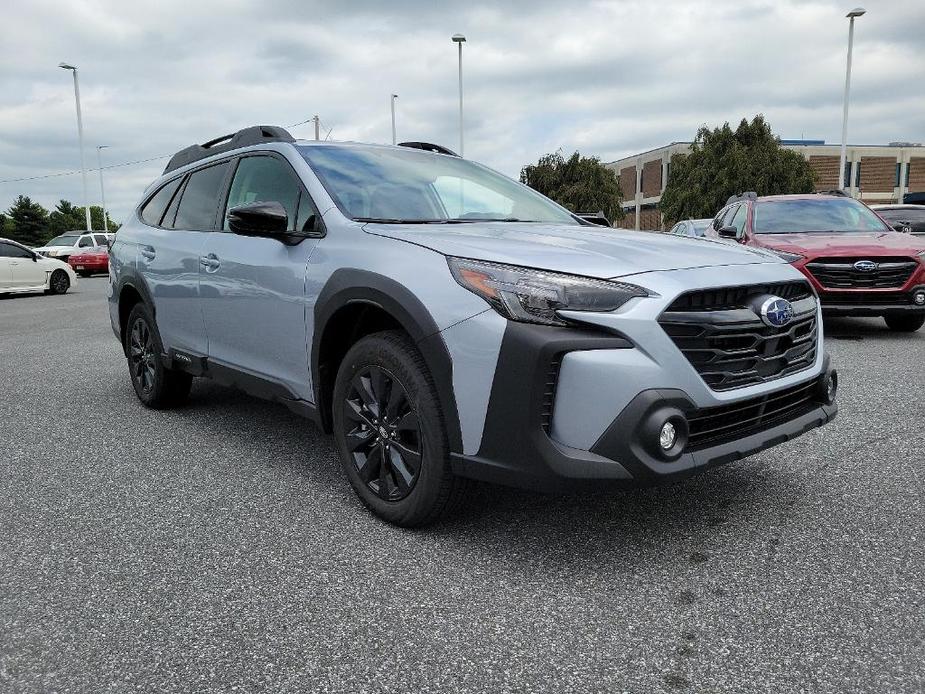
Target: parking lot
[(218, 546)]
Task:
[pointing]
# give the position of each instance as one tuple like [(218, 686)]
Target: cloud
[(607, 78)]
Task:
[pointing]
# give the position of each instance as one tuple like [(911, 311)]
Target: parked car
[(90, 260), (22, 270), (445, 322), (906, 218), (858, 264), (691, 227), (63, 246)]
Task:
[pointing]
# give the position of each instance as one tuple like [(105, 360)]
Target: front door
[(24, 271), (253, 288)]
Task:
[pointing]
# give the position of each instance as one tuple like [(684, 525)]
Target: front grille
[(865, 298), (727, 343), (840, 273), (549, 392), (712, 426)]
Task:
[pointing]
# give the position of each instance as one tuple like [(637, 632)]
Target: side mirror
[(259, 219), (729, 232)]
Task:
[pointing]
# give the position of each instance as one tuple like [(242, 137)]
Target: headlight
[(789, 257), (534, 296)]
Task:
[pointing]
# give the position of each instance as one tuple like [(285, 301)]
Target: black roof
[(254, 135)]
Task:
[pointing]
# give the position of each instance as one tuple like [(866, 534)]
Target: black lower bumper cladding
[(516, 449)]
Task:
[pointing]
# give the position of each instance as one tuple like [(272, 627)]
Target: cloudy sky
[(607, 78)]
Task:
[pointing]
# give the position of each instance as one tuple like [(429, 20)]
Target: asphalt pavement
[(218, 547)]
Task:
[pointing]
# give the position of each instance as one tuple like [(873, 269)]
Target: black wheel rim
[(383, 433), (60, 282), (142, 355)]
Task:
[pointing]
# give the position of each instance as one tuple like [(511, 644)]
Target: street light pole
[(99, 161), (459, 39), (856, 12), (394, 138), (80, 140)]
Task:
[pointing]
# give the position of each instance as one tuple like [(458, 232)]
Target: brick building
[(873, 173)]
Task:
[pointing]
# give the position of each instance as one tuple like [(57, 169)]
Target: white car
[(23, 270), (72, 241)]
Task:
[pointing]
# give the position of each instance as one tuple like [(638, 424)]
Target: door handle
[(209, 263), (147, 252)]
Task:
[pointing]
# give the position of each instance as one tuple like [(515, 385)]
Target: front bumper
[(872, 304), (523, 445)]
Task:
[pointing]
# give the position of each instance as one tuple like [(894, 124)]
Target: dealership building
[(873, 173)]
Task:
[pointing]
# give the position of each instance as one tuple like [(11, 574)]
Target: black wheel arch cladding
[(348, 287)]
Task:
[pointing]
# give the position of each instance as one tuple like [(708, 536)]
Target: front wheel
[(390, 432), (904, 324), (155, 385), (59, 282)]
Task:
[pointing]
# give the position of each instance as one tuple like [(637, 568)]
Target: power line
[(115, 166)]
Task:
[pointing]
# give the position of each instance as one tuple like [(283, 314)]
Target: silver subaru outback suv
[(445, 323)]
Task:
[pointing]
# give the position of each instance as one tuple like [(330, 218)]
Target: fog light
[(667, 436), (919, 297)]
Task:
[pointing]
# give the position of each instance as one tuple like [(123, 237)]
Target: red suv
[(858, 264)]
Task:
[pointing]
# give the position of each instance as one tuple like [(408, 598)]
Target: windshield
[(824, 214), (700, 225), (64, 240), (403, 185)]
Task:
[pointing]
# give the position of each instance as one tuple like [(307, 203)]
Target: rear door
[(253, 288), (168, 254)]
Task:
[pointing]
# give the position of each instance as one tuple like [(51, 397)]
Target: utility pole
[(80, 141), (317, 122), (99, 161), (856, 12), (459, 39), (394, 138)]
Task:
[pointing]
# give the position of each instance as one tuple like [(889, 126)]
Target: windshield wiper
[(391, 220)]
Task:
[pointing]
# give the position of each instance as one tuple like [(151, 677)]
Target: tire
[(59, 283), (416, 485), (155, 385), (904, 324)]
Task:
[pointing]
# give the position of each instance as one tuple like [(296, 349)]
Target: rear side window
[(153, 211), (199, 204)]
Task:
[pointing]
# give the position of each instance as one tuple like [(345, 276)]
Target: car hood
[(844, 244), (52, 248), (591, 251)]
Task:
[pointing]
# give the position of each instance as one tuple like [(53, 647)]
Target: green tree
[(29, 221), (723, 162), (582, 184), (65, 217)]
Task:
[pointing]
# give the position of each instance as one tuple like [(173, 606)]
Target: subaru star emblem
[(776, 312), (865, 265)]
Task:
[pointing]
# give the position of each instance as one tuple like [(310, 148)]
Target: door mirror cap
[(259, 219), (729, 232)]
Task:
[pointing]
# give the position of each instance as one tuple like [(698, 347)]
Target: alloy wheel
[(60, 282), (383, 433), (142, 354)]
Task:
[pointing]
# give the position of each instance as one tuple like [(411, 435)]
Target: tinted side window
[(6, 250), (100, 239), (17, 252), (718, 219), (153, 211), (738, 221), (85, 242), (262, 179), (199, 203)]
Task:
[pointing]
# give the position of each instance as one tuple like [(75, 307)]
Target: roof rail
[(834, 191), (749, 195), (254, 135), (429, 147)]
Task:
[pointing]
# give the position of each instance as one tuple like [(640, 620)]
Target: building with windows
[(873, 173)]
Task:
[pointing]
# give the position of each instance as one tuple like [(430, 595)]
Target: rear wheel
[(904, 324), (390, 434), (155, 385), (59, 282)]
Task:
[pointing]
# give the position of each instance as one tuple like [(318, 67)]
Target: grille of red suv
[(728, 344), (841, 273)]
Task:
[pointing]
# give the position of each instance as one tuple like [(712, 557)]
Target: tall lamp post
[(394, 138), (855, 13), (459, 40), (99, 161), (80, 140)]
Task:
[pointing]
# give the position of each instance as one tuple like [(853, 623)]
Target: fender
[(136, 281), (349, 286)]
